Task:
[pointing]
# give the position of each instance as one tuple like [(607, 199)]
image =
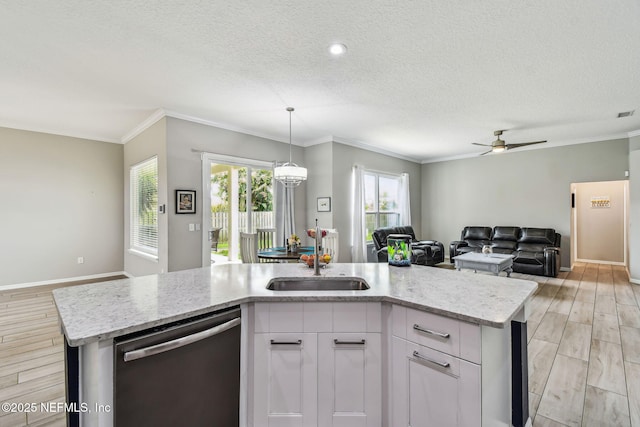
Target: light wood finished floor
[(584, 350), (31, 355)]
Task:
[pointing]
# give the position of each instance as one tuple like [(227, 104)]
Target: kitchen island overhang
[(93, 315), (105, 310)]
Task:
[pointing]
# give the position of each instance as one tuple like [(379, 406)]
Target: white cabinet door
[(285, 380), (349, 379), (430, 388)]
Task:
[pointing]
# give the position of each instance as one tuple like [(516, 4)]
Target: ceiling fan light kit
[(499, 146), (290, 174)]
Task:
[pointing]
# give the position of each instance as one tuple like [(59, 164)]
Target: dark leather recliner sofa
[(535, 250), (424, 252)]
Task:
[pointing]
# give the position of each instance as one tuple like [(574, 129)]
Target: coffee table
[(492, 263)]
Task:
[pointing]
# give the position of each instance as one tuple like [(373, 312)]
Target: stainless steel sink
[(318, 284)]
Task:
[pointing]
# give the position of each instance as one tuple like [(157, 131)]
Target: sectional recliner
[(535, 250)]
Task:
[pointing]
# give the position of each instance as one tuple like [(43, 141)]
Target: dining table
[(281, 253)]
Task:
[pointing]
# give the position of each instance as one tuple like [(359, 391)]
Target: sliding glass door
[(241, 200)]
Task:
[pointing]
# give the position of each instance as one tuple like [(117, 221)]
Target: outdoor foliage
[(147, 197), (261, 196)]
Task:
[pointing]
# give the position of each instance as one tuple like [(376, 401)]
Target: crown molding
[(318, 141), (365, 146), (226, 126), (161, 113), (29, 128), (156, 116), (535, 147)]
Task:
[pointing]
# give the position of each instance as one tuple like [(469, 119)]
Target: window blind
[(144, 206)]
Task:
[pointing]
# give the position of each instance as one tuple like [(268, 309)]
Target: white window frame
[(377, 211), (141, 243)]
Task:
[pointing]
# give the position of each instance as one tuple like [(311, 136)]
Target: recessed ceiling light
[(337, 49)]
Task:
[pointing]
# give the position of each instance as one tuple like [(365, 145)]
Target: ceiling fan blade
[(523, 144), (486, 152), (484, 145)]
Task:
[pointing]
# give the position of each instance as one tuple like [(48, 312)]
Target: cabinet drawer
[(431, 388), (451, 336), (317, 317)]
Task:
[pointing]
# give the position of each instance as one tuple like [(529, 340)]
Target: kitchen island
[(481, 307)]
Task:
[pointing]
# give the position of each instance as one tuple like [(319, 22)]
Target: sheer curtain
[(404, 200), (285, 213), (358, 233)]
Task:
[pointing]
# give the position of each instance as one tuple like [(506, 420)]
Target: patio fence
[(258, 219)]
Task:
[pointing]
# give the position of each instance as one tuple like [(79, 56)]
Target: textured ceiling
[(421, 79)]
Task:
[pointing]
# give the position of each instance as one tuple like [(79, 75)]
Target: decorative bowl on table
[(323, 260), (311, 232)]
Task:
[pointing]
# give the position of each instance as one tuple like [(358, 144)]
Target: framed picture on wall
[(324, 204), (185, 201)]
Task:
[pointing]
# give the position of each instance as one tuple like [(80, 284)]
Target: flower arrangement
[(294, 240)]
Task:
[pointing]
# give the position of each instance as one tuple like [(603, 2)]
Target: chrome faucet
[(316, 250)]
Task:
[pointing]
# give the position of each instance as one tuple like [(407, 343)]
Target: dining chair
[(330, 243), (248, 248), (266, 238)]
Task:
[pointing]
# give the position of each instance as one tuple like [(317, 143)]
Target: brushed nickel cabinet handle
[(428, 359), (297, 342), (431, 332), (338, 342)]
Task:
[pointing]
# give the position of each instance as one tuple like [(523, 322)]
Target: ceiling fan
[(498, 146)]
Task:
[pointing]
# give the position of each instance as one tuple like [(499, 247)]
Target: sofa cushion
[(505, 251), (476, 233), (546, 236), (505, 238), (531, 258), (476, 237), (536, 239), (467, 249)]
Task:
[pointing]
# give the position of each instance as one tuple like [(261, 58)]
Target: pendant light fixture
[(290, 174)]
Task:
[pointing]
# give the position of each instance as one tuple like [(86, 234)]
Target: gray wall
[(185, 173), (61, 199), (634, 208), (151, 142), (344, 157), (527, 188), (318, 159)]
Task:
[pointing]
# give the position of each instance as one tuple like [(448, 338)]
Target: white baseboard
[(596, 261), (68, 279), (565, 269), (635, 281)]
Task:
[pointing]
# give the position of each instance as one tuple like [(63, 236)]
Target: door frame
[(574, 225), (206, 160)]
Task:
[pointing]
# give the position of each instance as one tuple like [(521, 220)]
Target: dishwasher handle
[(180, 342)]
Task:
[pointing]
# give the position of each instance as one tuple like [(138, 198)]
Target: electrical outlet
[(80, 260)]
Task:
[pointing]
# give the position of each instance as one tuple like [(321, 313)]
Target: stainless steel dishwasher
[(183, 374)]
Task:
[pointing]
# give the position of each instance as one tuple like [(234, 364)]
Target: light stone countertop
[(106, 310)]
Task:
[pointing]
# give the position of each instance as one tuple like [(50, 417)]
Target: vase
[(487, 250)]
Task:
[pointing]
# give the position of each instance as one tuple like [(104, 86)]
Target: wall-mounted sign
[(600, 202)]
